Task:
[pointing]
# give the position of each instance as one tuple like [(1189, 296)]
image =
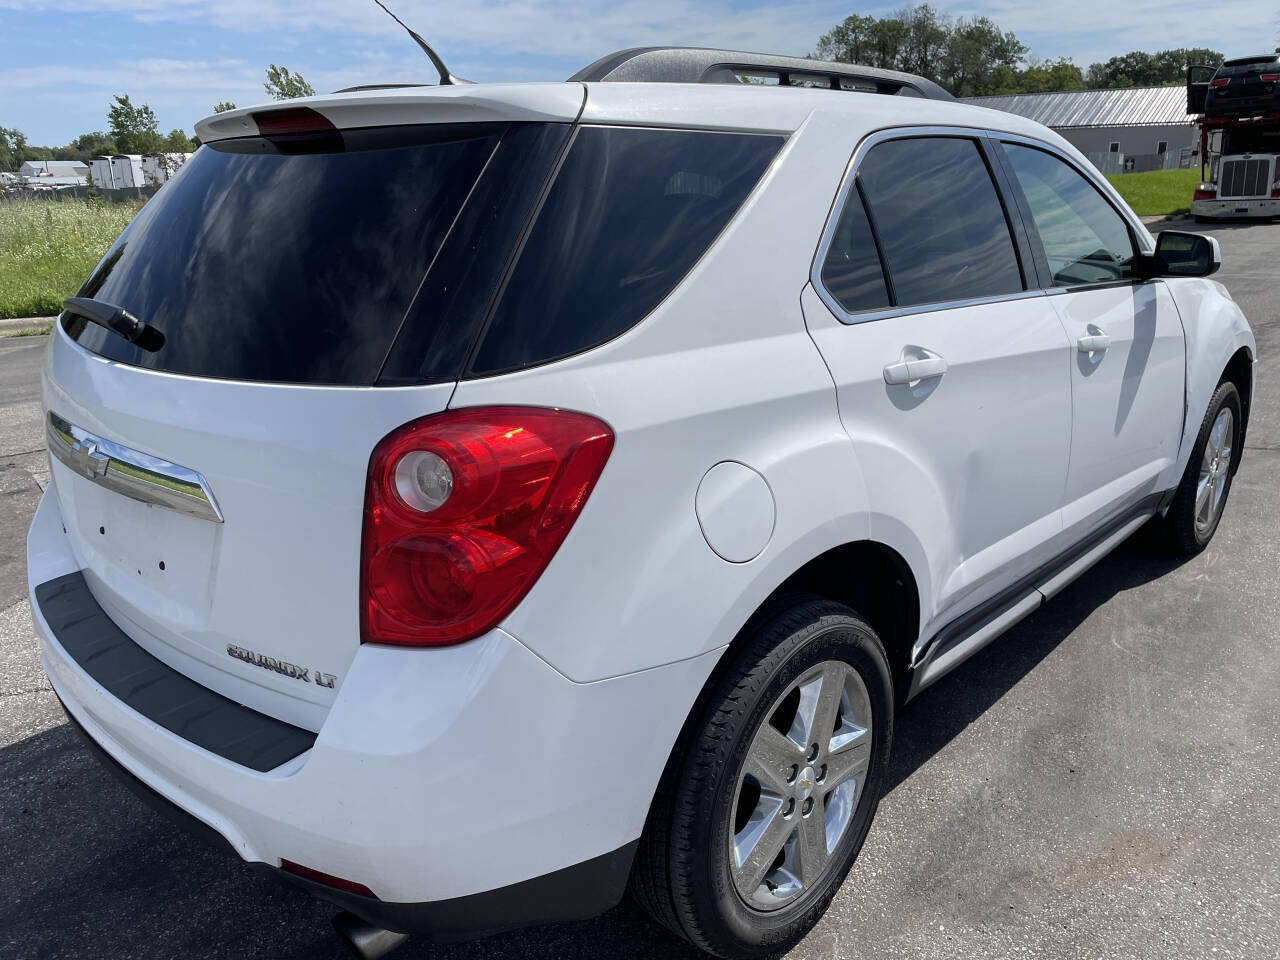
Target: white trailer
[(158, 168), (100, 171), (126, 170)]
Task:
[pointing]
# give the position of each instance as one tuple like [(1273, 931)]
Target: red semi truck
[(1238, 105)]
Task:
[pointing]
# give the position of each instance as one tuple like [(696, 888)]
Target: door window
[(1085, 239), (851, 271), (939, 220)]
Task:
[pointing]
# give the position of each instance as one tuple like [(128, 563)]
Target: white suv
[(471, 501)]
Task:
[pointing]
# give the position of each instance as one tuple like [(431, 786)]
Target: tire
[(683, 875), (1187, 528)]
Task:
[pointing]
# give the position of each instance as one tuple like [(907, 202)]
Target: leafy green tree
[(1039, 76), (975, 51), (13, 149), (87, 146), (178, 142), (1140, 69), (927, 35), (283, 85), (222, 106), (965, 56), (134, 129)]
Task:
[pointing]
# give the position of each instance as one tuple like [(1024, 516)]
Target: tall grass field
[(48, 247)]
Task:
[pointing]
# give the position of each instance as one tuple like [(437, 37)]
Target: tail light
[(463, 512), (1270, 78), (1219, 81), (1206, 191)]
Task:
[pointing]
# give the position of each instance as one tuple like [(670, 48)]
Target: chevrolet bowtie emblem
[(88, 460)]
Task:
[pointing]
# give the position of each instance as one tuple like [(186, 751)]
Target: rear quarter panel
[(722, 370)]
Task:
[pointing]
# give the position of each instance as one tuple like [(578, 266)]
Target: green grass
[(1158, 193), (27, 331), (48, 247)]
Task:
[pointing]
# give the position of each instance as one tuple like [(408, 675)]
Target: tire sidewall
[(744, 930)]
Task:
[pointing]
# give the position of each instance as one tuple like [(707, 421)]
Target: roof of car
[(697, 105)]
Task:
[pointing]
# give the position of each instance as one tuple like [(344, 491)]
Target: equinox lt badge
[(282, 666)]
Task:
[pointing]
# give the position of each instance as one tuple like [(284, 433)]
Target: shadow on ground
[(91, 872)]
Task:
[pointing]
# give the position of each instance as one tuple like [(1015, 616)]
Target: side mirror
[(1181, 254)]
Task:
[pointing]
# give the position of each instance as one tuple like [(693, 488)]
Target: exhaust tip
[(364, 939)]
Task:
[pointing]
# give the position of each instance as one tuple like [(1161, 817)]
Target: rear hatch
[(1246, 86), (318, 282)]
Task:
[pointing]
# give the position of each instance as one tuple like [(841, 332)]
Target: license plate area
[(155, 563)]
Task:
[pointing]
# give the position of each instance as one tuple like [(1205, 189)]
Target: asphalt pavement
[(1101, 782)]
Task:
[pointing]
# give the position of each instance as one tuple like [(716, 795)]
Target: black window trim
[(1138, 234), (1013, 218), (468, 372), (1038, 283)]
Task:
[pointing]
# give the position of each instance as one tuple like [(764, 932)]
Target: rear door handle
[(908, 371), (1093, 343)]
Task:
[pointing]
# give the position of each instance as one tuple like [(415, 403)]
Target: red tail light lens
[(1270, 78), (1206, 191), (463, 511), (1219, 81)]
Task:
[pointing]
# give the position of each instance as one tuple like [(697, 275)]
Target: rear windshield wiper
[(117, 320)]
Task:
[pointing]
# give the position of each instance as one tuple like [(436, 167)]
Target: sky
[(62, 60)]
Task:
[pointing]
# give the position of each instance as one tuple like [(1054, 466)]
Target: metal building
[(1133, 128)]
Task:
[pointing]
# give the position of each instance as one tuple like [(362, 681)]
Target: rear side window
[(1085, 240), (941, 226), (851, 271), (288, 259), (628, 215)]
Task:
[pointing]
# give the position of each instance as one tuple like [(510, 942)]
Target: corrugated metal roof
[(1127, 107)]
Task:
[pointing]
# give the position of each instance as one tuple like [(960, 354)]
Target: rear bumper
[(1235, 209), (574, 893), (471, 788)]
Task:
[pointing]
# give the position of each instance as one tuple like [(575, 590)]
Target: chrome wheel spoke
[(773, 760), (849, 762), (755, 850), (1203, 496), (828, 707), (811, 837)]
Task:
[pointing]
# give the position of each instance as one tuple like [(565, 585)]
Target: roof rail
[(708, 65)]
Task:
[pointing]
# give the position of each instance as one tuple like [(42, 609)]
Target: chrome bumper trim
[(129, 472)]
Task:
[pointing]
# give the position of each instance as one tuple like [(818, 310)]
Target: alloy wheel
[(1215, 468), (800, 784)]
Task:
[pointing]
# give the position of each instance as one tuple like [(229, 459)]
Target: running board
[(941, 658)]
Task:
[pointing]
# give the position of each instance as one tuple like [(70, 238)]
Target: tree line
[(134, 129), (973, 57)]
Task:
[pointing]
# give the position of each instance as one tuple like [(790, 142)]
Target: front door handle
[(908, 371), (1093, 343)]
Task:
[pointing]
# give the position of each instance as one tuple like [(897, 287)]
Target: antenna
[(446, 78)]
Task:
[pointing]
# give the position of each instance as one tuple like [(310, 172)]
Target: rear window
[(628, 215), (396, 255), (288, 259)]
